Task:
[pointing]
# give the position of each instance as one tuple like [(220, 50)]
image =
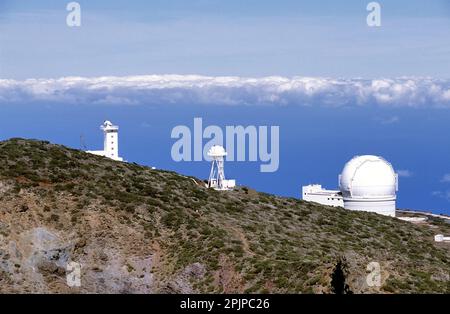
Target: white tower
[(217, 175), (110, 142), (369, 183)]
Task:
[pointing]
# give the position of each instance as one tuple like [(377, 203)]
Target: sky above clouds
[(222, 38)]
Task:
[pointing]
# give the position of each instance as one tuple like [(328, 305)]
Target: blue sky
[(336, 87), (246, 38)]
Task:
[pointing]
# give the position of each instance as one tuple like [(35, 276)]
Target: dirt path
[(245, 245)]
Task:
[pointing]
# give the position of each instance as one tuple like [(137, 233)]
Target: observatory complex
[(217, 175), (110, 142), (367, 183)]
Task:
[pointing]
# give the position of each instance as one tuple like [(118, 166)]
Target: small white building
[(441, 238), (110, 142), (315, 193), (414, 219)]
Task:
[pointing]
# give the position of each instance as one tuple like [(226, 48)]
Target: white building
[(217, 175), (110, 142), (367, 183), (415, 220), (315, 193), (441, 238)]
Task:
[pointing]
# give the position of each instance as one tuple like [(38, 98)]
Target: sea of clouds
[(228, 90)]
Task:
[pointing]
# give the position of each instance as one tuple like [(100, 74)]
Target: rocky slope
[(138, 230)]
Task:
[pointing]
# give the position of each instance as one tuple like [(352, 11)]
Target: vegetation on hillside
[(241, 240)]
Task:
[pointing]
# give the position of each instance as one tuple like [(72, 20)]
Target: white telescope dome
[(368, 177), (217, 151)]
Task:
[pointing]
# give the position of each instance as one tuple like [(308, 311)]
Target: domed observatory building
[(369, 183)]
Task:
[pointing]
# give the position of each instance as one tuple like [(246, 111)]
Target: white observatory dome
[(369, 183), (369, 177), (217, 151)]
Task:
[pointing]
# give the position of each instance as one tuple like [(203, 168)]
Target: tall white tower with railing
[(217, 174), (110, 141)]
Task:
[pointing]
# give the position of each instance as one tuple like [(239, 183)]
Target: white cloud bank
[(195, 89)]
